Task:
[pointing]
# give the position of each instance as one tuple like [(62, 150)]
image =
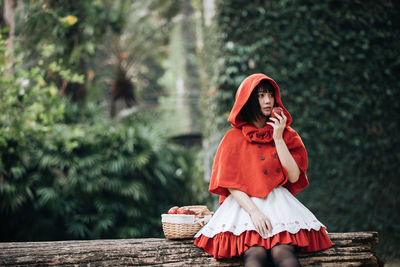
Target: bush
[(68, 172)]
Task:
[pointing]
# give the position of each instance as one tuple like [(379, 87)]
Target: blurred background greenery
[(111, 111)]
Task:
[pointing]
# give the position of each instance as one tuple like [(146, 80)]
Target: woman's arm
[(260, 221), (287, 160), (282, 150)]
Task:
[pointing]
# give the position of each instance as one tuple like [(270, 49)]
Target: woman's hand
[(279, 124), (261, 222)]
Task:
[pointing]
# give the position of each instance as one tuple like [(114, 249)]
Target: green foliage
[(337, 66), (74, 28), (137, 51), (68, 172), (64, 34)]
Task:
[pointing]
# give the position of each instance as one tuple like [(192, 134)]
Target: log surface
[(350, 249)]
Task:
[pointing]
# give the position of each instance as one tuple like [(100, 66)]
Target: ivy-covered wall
[(337, 64)]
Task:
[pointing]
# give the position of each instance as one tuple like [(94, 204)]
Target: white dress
[(283, 210)]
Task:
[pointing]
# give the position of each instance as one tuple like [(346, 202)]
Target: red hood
[(245, 89)]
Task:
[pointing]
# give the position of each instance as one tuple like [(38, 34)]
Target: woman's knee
[(256, 256), (284, 256)]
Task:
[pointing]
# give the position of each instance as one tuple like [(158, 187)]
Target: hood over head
[(243, 94)]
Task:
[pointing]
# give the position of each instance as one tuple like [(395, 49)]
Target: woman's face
[(266, 101)]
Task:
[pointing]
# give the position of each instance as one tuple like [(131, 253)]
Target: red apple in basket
[(277, 110), (173, 210), (183, 210), (192, 212)]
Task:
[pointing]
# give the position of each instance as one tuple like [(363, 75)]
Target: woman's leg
[(284, 256), (255, 257)]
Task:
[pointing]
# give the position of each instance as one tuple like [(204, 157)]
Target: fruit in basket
[(192, 212), (199, 211), (173, 210), (183, 210)]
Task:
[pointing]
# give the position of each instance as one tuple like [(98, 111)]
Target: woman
[(259, 166)]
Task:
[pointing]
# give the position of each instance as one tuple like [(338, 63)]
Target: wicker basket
[(181, 226)]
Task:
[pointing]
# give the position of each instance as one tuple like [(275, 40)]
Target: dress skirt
[(230, 231)]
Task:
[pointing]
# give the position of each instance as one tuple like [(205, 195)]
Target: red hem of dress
[(228, 245)]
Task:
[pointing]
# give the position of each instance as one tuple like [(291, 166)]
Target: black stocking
[(284, 256), (255, 257)]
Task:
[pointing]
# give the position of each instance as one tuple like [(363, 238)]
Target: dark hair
[(251, 111)]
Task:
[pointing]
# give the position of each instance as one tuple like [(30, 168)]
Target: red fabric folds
[(228, 245)]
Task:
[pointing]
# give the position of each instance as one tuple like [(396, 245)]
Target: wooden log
[(350, 249)]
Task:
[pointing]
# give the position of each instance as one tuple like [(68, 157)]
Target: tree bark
[(350, 249), (9, 7), (7, 20)]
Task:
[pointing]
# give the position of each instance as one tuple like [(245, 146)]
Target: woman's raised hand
[(261, 222), (279, 124)]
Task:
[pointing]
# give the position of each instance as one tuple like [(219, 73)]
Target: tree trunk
[(8, 21), (350, 249)]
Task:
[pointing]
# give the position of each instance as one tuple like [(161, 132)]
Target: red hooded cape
[(246, 158)]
